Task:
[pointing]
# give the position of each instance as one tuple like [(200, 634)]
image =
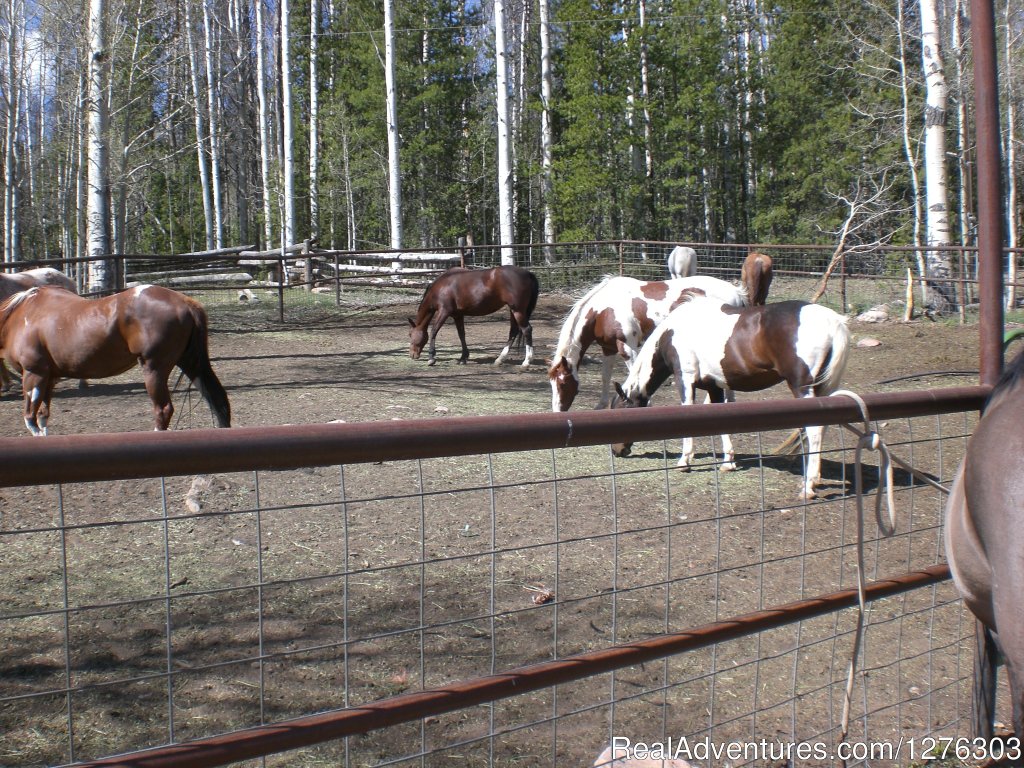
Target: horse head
[(417, 339), (622, 400), (565, 385)]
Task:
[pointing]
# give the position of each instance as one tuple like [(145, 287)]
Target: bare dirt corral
[(344, 583)]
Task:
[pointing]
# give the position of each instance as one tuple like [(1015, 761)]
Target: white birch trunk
[(1011, 162), (963, 149), (645, 93), (394, 169), (98, 198), (12, 76), (263, 117), (937, 217), (204, 173), (287, 148), (504, 158), (314, 119), (545, 125), (908, 150), (213, 121)]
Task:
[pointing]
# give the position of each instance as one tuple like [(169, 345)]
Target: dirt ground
[(354, 366)]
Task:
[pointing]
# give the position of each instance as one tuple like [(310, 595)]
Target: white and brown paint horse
[(756, 277), (462, 292), (618, 314), (984, 538), (722, 349), (682, 262), (49, 334)]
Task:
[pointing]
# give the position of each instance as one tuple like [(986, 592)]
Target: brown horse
[(756, 277), (49, 334), (16, 282), (460, 292), (985, 542)]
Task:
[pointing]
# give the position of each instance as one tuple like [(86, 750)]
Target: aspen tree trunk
[(394, 169), (98, 198), (120, 212), (908, 150), (213, 121), (287, 148), (645, 93), (1011, 171), (941, 295), (262, 117), (545, 126), (314, 119), (204, 173), (14, 43), (504, 169)]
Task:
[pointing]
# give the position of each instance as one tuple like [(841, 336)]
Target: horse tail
[(829, 378), (195, 362), (568, 339)]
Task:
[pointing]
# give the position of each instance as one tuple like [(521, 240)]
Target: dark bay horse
[(984, 539), (722, 349), (617, 314), (756, 277), (460, 292), (48, 334)]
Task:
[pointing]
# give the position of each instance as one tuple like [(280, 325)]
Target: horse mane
[(568, 346), (9, 304)]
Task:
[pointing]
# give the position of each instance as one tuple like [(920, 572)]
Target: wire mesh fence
[(373, 563)]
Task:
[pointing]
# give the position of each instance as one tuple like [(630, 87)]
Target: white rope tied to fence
[(868, 439)]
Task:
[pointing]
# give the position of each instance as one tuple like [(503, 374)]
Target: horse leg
[(513, 331), (460, 326), (435, 326), (812, 476), (718, 395), (37, 391), (983, 699), (606, 380), (155, 379), (686, 387)]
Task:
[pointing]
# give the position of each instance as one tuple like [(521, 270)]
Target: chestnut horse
[(756, 276), (723, 349), (985, 542), (618, 314), (12, 283), (48, 334), (474, 292), (682, 262)]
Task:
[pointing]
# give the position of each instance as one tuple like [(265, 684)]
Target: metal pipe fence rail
[(485, 589)]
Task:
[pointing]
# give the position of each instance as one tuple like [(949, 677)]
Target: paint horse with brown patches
[(618, 314), (460, 292), (723, 349), (756, 277), (49, 334), (984, 538)]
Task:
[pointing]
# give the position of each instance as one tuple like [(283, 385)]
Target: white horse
[(723, 349), (618, 314), (682, 262)]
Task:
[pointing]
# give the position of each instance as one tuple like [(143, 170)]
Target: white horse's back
[(682, 262)]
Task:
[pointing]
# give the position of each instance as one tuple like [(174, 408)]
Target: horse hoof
[(683, 467), (431, 361), (728, 467), (463, 360)]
